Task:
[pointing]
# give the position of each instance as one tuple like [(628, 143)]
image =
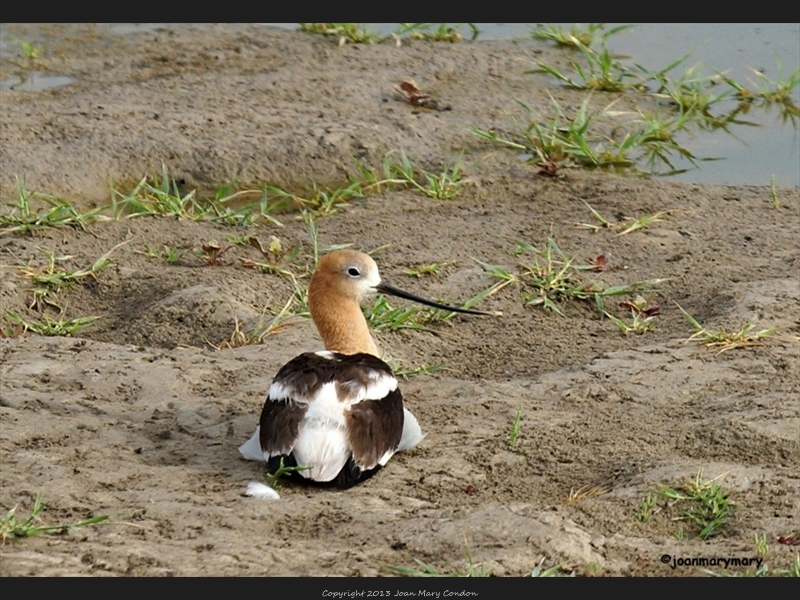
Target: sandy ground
[(139, 416)]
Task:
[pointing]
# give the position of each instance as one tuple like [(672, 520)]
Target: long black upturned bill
[(388, 289)]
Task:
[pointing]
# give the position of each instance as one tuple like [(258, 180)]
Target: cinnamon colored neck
[(340, 323)]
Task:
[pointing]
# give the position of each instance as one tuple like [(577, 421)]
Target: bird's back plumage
[(340, 415)]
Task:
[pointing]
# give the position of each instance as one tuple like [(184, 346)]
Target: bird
[(337, 415)]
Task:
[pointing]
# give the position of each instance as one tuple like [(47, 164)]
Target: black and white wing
[(340, 415)]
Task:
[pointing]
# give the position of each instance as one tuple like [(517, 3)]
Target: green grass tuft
[(723, 340), (13, 527), (549, 277), (703, 505), (578, 35), (346, 32)]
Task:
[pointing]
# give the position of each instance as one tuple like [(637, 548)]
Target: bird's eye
[(353, 272)]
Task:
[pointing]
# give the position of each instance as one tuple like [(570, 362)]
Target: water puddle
[(35, 81), (762, 141)]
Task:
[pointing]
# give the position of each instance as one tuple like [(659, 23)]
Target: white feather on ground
[(261, 491)]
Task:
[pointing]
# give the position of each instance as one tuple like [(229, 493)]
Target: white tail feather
[(251, 449), (412, 432)]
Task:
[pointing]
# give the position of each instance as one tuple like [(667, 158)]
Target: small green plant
[(564, 140), (169, 254), (30, 50), (57, 278), (273, 479), (407, 373), (51, 327), (550, 276), (425, 270), (346, 32), (425, 570), (643, 312), (602, 72), (763, 571), (543, 142), (642, 222), (172, 255), (444, 185), (776, 203), (429, 33), (397, 174), (322, 201), (57, 213), (540, 571), (656, 140), (375, 182), (219, 211), (382, 317), (310, 219), (762, 548), (513, 435), (705, 504), (722, 340), (275, 256), (300, 298), (628, 225), (693, 94), (52, 278), (646, 507), (159, 199), (577, 36), (600, 221), (12, 527), (593, 569), (240, 239), (158, 196), (768, 92), (327, 201), (794, 570), (266, 266)]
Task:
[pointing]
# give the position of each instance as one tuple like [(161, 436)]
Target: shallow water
[(35, 81), (751, 154)]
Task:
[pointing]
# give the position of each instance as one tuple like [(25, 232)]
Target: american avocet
[(337, 412)]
